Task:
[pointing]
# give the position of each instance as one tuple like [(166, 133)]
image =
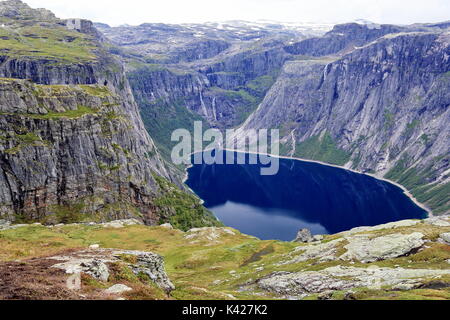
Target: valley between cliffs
[(367, 97)]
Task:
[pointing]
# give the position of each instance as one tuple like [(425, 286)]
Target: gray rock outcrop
[(95, 263), (304, 235), (321, 252), (97, 269), (343, 278), (442, 221), (152, 265), (364, 249)]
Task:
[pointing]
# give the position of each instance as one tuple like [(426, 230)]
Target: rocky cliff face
[(223, 93), (72, 146), (72, 142), (383, 108)]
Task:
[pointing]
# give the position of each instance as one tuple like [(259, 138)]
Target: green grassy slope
[(217, 267)]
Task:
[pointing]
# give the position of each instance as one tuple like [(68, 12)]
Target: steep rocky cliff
[(64, 146), (382, 108), (72, 143)]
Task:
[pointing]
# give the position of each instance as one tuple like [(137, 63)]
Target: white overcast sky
[(136, 12)]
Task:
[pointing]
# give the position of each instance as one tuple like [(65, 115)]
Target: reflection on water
[(302, 195)]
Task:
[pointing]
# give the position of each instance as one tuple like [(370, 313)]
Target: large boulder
[(304, 236), (152, 265), (97, 269)]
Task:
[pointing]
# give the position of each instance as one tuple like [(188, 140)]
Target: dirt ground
[(35, 279)]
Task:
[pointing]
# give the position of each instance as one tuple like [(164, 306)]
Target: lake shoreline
[(406, 192)]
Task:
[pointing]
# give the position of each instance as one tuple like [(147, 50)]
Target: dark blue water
[(324, 199)]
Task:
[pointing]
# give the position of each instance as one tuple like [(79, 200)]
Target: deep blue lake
[(324, 199)]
